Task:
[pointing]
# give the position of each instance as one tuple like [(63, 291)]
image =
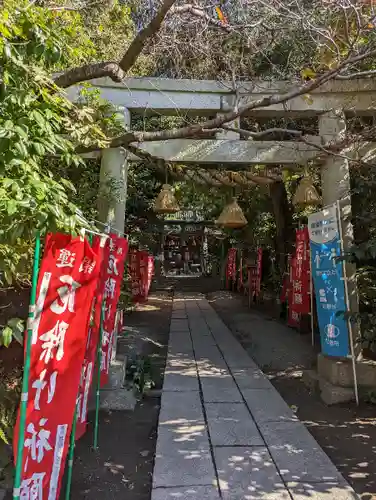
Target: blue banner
[(328, 280)]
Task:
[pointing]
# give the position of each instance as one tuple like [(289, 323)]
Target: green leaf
[(7, 335), (11, 207), (39, 148), (7, 183), (18, 327)]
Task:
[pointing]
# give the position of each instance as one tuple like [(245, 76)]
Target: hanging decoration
[(232, 216), (306, 193), (165, 202)]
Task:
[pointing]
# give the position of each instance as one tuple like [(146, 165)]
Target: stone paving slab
[(186, 493), (220, 391), (237, 359), (208, 371), (261, 451), (202, 343), (183, 406), (230, 424), (179, 314), (211, 361), (247, 473), (190, 436), (296, 453), (181, 379), (251, 378), (208, 351), (182, 466), (322, 491), (268, 406)]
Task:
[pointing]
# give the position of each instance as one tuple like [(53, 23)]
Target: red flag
[(115, 255), (66, 286), (299, 299), (88, 366)]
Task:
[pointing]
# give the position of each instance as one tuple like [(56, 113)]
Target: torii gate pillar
[(335, 182), (113, 182)]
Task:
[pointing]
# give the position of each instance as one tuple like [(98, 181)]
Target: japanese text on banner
[(299, 298), (66, 286), (87, 373), (231, 265), (328, 279), (115, 255)]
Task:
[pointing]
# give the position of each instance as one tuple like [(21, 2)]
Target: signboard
[(67, 282), (328, 280), (115, 255)]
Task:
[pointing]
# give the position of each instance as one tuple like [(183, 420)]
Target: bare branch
[(362, 74), (192, 130), (263, 133), (200, 13), (144, 35)]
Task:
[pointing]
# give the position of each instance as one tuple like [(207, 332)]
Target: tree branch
[(263, 133), (143, 36), (113, 70), (362, 74), (200, 13), (89, 72), (220, 120)]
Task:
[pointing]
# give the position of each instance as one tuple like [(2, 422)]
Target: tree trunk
[(283, 220)]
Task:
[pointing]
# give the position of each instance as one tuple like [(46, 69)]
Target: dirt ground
[(345, 432), (123, 466)]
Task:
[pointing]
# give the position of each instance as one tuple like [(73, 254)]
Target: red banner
[(66, 286), (87, 374), (255, 275), (115, 255), (150, 274), (134, 271), (293, 315), (259, 271), (143, 270), (231, 265), (299, 299), (141, 266)]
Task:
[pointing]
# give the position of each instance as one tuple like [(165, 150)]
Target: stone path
[(224, 431)]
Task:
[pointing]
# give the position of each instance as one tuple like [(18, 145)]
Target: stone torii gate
[(157, 96), (329, 104)]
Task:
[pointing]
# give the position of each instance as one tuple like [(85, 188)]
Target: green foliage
[(14, 329), (139, 375), (37, 124), (10, 390)]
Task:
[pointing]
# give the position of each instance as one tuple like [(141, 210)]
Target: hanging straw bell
[(165, 202), (306, 194), (232, 216)]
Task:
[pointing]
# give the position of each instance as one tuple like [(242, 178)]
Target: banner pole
[(26, 372), (99, 362), (72, 445), (347, 304)]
